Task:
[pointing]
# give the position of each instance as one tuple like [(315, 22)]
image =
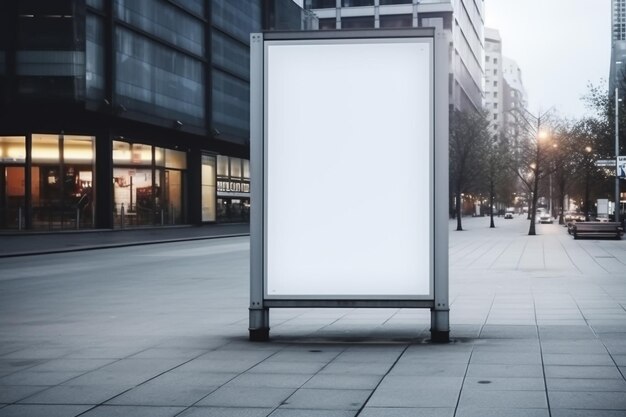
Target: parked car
[(508, 215), (574, 216), (545, 218)]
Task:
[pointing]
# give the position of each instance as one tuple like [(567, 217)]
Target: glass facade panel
[(222, 166), (173, 198), (208, 189), (231, 105), (94, 49), (385, 2), (237, 18), (230, 55), (175, 159), (46, 149), (195, 6), (12, 193), (12, 149), (165, 21), (78, 149), (396, 21), (323, 4), (357, 22), (125, 153), (357, 3), (134, 195), (156, 80), (246, 168), (326, 24), (235, 168), (96, 4)]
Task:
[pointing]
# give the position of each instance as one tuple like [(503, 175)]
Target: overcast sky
[(560, 46)]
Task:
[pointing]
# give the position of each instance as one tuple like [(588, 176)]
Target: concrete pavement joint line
[(493, 245), (382, 379), (119, 245), (593, 258), (502, 252), (521, 254), (458, 400), (569, 256), (236, 376), (390, 317), (599, 338), (147, 380), (543, 367), (305, 382)]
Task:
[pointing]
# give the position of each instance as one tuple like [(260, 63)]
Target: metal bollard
[(122, 215), (172, 213), (162, 219), (77, 218), (19, 218)]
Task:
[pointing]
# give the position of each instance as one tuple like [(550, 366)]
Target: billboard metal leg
[(259, 324), (440, 326)]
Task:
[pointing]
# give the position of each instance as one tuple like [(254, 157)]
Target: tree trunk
[(491, 192), (459, 205), (562, 209), (533, 214)]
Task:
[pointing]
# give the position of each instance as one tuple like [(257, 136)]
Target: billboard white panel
[(348, 169)]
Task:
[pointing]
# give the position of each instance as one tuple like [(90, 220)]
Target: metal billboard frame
[(437, 300)]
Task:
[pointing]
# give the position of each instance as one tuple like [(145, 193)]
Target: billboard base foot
[(259, 335), (437, 336), (259, 324)]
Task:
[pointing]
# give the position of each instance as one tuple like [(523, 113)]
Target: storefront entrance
[(12, 193)]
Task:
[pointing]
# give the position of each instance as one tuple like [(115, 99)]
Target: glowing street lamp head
[(543, 135), (588, 149)]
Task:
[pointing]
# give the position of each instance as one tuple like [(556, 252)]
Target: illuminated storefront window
[(233, 189), (148, 184)]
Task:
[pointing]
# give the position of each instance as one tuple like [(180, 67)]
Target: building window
[(208, 188), (327, 24), (396, 21), (495, 83), (357, 22), (495, 116), (156, 80), (495, 61), (357, 3)]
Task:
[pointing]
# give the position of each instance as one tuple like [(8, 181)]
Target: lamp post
[(588, 172), (617, 100)]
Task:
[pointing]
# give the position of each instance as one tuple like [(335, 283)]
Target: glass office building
[(122, 113)]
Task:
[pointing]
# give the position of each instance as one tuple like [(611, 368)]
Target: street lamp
[(617, 100), (588, 172)]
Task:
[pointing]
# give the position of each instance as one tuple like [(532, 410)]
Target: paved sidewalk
[(538, 322), (29, 243)]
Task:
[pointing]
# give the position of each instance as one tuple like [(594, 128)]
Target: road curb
[(118, 245)]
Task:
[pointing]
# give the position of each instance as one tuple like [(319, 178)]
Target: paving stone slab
[(43, 410), (327, 399)]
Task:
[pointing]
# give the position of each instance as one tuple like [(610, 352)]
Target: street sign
[(605, 163), (621, 166)]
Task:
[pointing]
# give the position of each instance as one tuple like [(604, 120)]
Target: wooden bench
[(597, 229)]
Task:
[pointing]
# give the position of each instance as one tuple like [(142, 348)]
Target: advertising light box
[(348, 169)]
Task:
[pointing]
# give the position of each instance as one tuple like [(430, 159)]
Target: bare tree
[(534, 158), (468, 140)]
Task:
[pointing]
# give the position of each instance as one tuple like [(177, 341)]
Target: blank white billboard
[(348, 169)]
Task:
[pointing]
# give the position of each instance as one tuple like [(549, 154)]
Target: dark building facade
[(120, 113)]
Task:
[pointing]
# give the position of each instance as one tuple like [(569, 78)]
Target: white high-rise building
[(494, 84), (618, 42), (514, 98), (463, 18)]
